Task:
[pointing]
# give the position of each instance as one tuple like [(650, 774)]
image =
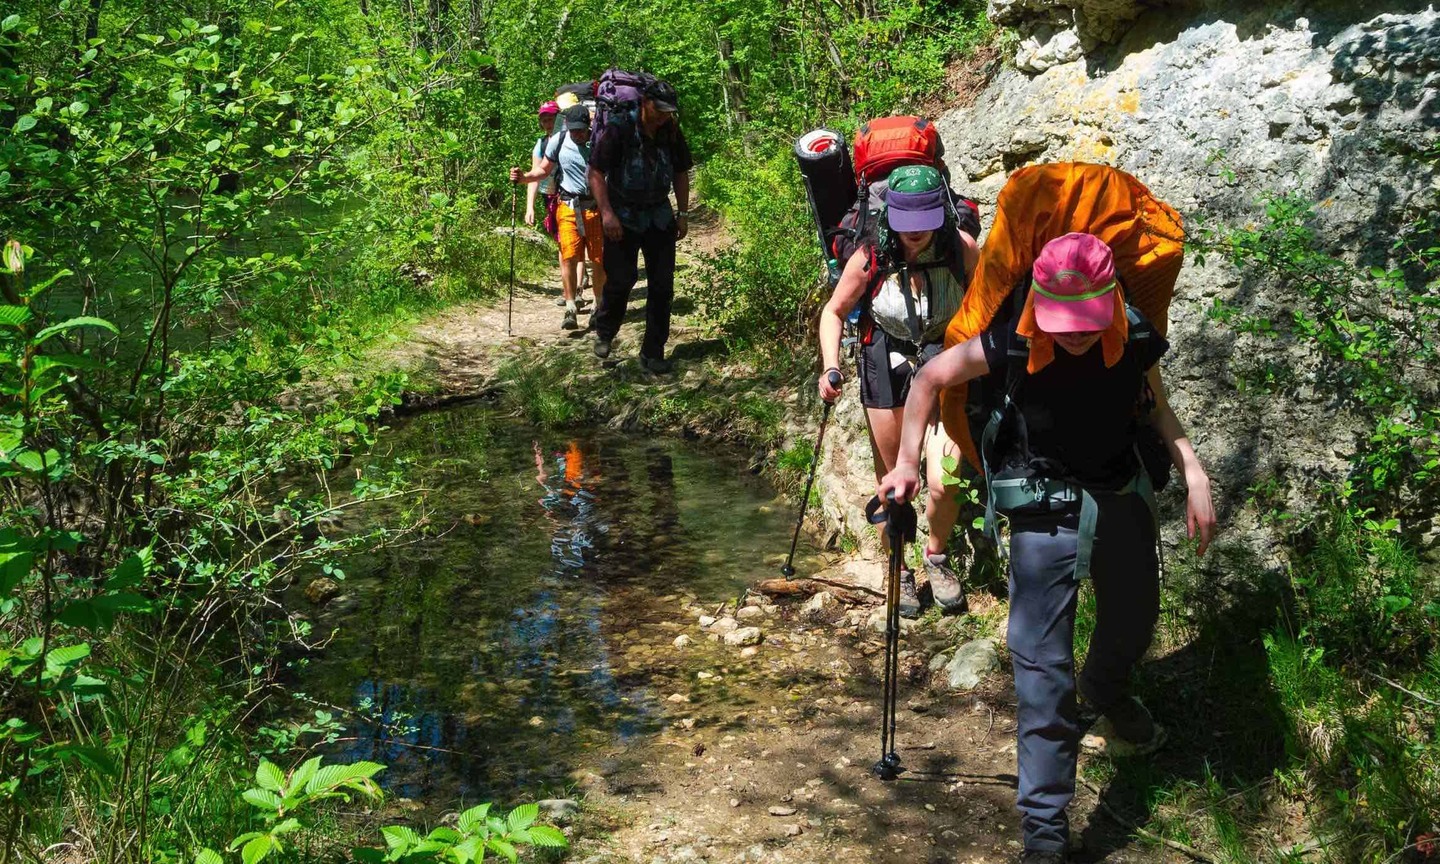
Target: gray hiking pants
[(1041, 634)]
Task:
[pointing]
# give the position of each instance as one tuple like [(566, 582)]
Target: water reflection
[(489, 661)]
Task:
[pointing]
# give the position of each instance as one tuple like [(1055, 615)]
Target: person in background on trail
[(1074, 421), (579, 222), (904, 327), (632, 172), (545, 186)]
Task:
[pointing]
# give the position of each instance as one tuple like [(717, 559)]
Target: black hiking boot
[(602, 347), (909, 597), (569, 323), (656, 366), (945, 586), (1035, 856)]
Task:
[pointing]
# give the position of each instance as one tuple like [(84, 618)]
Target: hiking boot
[(1035, 856), (1126, 727), (909, 597), (656, 366), (569, 323), (602, 347), (945, 586)]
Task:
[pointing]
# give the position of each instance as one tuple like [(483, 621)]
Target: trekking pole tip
[(885, 770), (787, 571)]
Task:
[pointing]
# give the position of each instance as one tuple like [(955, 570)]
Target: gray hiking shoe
[(1035, 856), (560, 301), (569, 323), (944, 584), (909, 597), (602, 347)]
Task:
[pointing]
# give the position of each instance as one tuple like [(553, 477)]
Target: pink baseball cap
[(1074, 285), (549, 108)]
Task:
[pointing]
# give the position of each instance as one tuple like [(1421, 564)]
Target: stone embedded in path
[(558, 809), (782, 811), (972, 662), (876, 622), (681, 641), (744, 636), (819, 608)]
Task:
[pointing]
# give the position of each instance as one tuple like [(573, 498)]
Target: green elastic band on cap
[(1074, 298)]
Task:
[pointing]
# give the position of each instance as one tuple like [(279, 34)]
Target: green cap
[(914, 178)]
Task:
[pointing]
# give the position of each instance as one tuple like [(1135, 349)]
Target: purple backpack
[(618, 97)]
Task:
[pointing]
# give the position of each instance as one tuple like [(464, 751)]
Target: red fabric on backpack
[(887, 143)]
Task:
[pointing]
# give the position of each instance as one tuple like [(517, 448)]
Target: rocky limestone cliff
[(1211, 104)]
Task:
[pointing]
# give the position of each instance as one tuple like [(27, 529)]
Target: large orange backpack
[(1042, 202)]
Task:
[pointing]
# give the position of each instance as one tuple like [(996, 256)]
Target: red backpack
[(888, 143)]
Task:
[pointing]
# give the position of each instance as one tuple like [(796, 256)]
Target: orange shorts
[(572, 245)]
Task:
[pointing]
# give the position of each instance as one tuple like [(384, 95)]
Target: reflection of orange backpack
[(1042, 202)]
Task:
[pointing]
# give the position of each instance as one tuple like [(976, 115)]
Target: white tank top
[(936, 304)]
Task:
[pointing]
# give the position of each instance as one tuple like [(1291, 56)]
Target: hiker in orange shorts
[(580, 231)]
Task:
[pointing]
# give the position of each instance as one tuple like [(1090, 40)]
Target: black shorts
[(883, 385)]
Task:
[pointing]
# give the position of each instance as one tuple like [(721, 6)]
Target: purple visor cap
[(915, 211)]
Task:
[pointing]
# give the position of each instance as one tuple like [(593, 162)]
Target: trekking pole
[(900, 526), (835, 379), (510, 309)]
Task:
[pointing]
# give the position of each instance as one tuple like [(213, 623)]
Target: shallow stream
[(536, 629)]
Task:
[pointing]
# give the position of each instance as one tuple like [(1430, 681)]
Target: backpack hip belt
[(578, 201), (1048, 495)]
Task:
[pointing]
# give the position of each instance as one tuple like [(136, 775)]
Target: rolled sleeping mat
[(829, 176), (582, 89)]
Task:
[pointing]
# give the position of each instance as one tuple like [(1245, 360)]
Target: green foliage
[(1370, 331), (290, 804)]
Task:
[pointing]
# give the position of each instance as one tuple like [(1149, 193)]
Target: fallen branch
[(1405, 690), (1188, 851), (805, 587)]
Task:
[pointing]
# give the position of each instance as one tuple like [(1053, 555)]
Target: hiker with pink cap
[(1065, 459)]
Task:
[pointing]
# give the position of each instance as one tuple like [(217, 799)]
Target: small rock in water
[(782, 811), (707, 620), (681, 641), (748, 652), (750, 613), (744, 636), (678, 697), (725, 625), (537, 721), (972, 662)]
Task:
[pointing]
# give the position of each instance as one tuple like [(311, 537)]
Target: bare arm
[(537, 172), (1199, 505), (954, 366), (531, 190), (969, 253), (682, 202), (832, 318), (601, 193)]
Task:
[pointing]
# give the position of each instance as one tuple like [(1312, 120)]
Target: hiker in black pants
[(1064, 464), (632, 170)]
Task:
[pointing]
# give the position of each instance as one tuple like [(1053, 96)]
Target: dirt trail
[(766, 752)]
